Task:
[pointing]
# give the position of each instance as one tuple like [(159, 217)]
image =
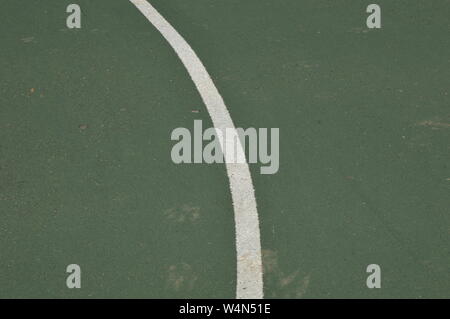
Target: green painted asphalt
[(85, 169)]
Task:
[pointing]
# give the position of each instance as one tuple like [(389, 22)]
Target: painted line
[(248, 244)]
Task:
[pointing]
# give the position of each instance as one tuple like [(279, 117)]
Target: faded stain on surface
[(283, 285), (181, 278), (434, 124), (28, 40), (185, 213)]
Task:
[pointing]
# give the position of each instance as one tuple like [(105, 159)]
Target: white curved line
[(248, 245)]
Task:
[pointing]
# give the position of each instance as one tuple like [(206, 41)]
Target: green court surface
[(86, 175)]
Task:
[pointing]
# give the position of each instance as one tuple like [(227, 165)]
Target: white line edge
[(248, 243)]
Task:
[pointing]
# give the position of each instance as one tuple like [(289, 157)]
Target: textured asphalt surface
[(85, 169)]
